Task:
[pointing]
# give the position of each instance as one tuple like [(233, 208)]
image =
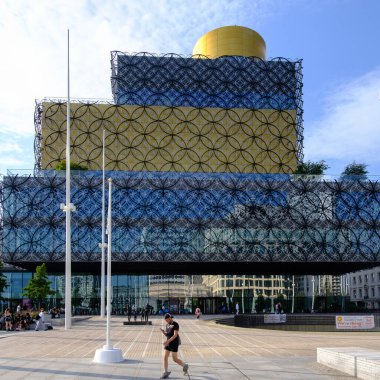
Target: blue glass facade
[(159, 217), (226, 82)]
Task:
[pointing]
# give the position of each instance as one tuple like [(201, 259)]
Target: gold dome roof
[(231, 40)]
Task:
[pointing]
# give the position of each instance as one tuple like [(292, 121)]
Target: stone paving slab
[(130, 369), (212, 351)]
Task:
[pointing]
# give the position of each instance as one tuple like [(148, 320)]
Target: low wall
[(362, 363), (300, 322)]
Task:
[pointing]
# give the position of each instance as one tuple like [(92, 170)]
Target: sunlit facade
[(202, 152)]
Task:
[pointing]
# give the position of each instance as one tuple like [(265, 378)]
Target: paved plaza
[(212, 351)]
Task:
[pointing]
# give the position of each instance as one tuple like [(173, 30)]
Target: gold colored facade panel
[(162, 138)]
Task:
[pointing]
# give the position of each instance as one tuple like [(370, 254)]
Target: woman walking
[(171, 346)]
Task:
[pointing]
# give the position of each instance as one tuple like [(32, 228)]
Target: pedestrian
[(129, 313), (41, 320), (18, 309), (171, 346), (8, 319), (198, 312), (237, 308)]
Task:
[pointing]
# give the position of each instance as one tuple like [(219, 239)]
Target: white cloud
[(349, 128), (34, 46), (10, 146)]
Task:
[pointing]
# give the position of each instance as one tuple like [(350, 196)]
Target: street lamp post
[(68, 207)]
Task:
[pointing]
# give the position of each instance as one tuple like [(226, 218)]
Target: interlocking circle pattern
[(184, 217), (170, 113)]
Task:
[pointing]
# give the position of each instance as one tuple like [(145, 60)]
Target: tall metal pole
[(109, 232), (108, 354), (68, 200), (103, 244), (293, 286)]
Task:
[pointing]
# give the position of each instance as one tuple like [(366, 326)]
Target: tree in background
[(38, 287), (3, 280), (354, 172), (268, 304), (280, 298), (311, 168), (260, 303), (73, 166)]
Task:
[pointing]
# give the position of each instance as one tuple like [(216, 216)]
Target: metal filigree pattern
[(163, 217), (231, 114), (183, 139)]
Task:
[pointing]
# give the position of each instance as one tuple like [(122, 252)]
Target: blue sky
[(338, 41)]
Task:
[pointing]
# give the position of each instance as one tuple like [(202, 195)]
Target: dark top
[(170, 331)]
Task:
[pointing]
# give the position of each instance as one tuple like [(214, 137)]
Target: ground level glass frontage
[(182, 294)]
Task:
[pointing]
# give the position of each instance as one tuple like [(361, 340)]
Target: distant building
[(365, 288)]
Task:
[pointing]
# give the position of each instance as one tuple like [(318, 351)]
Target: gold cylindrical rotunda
[(231, 40)]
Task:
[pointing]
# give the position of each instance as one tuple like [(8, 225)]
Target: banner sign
[(355, 322), (274, 318)]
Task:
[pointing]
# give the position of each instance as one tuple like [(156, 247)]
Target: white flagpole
[(68, 200), (103, 244), (108, 354), (109, 279)]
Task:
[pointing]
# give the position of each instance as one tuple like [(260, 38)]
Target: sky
[(338, 41)]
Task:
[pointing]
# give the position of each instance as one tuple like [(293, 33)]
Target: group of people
[(17, 321), (143, 312), (55, 312), (23, 319)]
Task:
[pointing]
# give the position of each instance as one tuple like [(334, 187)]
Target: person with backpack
[(171, 345)]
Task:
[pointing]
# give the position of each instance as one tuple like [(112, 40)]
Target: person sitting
[(40, 318), (55, 313), (28, 319), (23, 325)]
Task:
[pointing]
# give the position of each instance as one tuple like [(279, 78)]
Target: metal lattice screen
[(195, 218), (170, 113)]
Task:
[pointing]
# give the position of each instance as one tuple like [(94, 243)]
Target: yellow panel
[(184, 139)]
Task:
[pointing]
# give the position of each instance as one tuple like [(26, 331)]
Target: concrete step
[(230, 321), (362, 363)]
